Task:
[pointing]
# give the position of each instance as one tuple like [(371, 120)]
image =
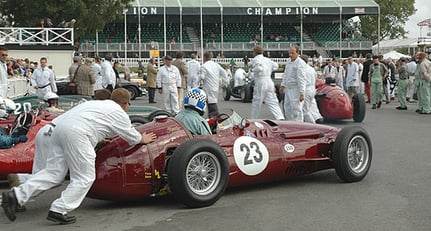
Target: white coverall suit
[(211, 75), (73, 139), (264, 90), (3, 80), (169, 79), (108, 74), (238, 77), (310, 109), (294, 82), (44, 79), (193, 68)]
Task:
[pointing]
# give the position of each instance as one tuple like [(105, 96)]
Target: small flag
[(425, 22), (359, 10)]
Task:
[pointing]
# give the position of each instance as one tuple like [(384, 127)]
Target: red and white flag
[(359, 10), (425, 22)]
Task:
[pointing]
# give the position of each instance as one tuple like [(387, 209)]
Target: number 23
[(256, 156)]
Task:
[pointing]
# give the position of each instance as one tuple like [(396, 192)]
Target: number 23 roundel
[(251, 155)]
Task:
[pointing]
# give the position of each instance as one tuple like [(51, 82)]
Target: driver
[(194, 109), (6, 141), (52, 99)]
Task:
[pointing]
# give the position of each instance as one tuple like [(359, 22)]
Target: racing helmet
[(49, 96), (196, 98), (6, 107)]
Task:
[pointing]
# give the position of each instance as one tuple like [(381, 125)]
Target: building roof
[(270, 7)]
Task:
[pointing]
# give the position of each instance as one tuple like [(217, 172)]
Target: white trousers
[(170, 98), (308, 109), (292, 105), (70, 150), (42, 142), (265, 92)]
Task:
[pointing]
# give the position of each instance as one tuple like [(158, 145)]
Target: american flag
[(425, 22), (359, 10)]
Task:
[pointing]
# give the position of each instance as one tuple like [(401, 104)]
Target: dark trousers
[(212, 110), (151, 93)]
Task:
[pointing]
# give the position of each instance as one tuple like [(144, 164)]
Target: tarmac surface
[(395, 195)]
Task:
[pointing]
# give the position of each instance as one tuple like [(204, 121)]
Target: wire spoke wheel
[(203, 173)]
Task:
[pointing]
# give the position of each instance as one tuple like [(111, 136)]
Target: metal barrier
[(17, 87)]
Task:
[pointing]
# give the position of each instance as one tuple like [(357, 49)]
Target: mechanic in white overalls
[(264, 90), (293, 85), (43, 79), (168, 81), (238, 77), (310, 109), (193, 68), (74, 136), (211, 75)]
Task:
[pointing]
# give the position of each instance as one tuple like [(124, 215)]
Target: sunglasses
[(4, 55)]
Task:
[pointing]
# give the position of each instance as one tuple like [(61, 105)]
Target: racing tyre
[(359, 107), (159, 113), (246, 94), (352, 154), (133, 92), (198, 173), (226, 93), (137, 120)]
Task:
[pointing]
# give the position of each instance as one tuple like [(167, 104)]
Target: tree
[(90, 15), (393, 16)]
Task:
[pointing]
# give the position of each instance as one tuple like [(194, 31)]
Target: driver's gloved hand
[(21, 138)]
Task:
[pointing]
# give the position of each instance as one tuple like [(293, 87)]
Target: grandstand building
[(230, 28)]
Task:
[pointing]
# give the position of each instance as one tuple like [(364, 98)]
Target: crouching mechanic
[(73, 136), (6, 141), (194, 109)]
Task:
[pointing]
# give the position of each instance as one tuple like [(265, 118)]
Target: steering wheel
[(222, 117)]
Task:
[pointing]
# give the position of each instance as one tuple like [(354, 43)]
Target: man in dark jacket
[(364, 77)]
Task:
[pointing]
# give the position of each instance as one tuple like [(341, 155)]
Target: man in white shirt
[(168, 83), (293, 85), (411, 67), (97, 69), (310, 109), (3, 72), (210, 75), (108, 74), (193, 68), (43, 79), (352, 77)]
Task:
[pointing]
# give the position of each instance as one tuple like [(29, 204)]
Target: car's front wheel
[(226, 93), (359, 107), (352, 153), (133, 92), (198, 173)]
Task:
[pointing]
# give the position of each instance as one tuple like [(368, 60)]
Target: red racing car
[(335, 104), (197, 169)]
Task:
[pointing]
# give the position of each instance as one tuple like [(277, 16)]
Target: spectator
[(85, 78), (182, 67), (151, 80)]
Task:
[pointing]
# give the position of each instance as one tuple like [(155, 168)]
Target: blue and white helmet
[(196, 98)]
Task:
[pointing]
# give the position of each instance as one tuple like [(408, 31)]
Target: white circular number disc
[(251, 155)]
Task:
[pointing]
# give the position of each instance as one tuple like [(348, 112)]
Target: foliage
[(90, 15), (394, 15)]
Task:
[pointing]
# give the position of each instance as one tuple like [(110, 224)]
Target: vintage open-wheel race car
[(335, 104)]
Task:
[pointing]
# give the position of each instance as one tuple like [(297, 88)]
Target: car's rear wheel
[(138, 120), (359, 107), (154, 114), (246, 93), (226, 93), (198, 173), (352, 154)]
